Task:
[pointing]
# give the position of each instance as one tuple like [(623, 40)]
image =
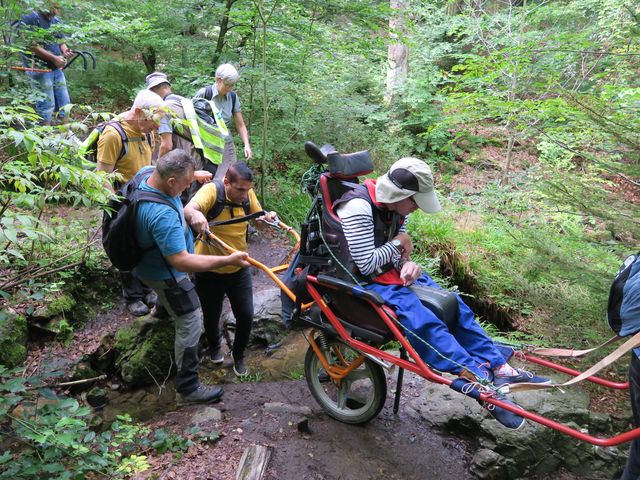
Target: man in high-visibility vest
[(227, 102), (191, 129)]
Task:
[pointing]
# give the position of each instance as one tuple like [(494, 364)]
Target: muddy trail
[(274, 408)]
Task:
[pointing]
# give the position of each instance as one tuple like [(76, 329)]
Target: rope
[(310, 181)]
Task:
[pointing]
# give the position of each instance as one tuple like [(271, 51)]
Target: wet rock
[(488, 465), (144, 351), (97, 397), (103, 357), (13, 338), (206, 415), (267, 325), (534, 450)]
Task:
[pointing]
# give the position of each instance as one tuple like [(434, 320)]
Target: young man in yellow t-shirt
[(232, 281)]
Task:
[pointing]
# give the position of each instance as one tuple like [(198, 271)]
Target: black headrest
[(349, 165), (318, 155)]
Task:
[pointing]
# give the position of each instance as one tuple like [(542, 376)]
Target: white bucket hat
[(156, 78), (408, 177)]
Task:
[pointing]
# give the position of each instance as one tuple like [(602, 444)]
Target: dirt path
[(391, 447)]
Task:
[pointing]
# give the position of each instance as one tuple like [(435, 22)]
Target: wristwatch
[(396, 243)]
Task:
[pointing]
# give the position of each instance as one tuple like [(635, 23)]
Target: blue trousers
[(466, 346), (52, 92)]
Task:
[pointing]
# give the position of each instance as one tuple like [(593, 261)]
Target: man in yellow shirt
[(126, 158), (232, 281)]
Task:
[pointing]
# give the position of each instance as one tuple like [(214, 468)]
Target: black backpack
[(221, 202), (119, 223), (616, 293), (208, 94), (89, 148)]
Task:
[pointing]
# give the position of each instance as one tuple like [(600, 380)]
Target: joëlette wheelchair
[(345, 364)]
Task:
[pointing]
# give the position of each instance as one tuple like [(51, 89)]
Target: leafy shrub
[(51, 436)]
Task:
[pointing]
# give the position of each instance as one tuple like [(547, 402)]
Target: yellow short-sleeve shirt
[(235, 234), (138, 150)]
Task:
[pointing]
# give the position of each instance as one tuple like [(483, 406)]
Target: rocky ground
[(274, 408)]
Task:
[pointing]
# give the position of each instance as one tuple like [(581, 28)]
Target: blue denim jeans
[(52, 93)]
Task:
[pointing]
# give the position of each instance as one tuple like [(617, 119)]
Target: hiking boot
[(239, 368), (272, 347), (216, 356), (137, 308), (523, 376), (151, 299), (159, 312), (202, 394), (505, 417)]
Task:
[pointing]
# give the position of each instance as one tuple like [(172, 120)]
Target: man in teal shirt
[(164, 232)]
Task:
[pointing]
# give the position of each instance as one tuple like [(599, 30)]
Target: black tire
[(356, 399)]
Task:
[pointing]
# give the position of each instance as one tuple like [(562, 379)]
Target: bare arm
[(191, 262), (40, 52), (66, 51), (107, 168), (244, 134), (166, 143), (194, 217)]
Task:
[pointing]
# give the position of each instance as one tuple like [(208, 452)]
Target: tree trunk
[(149, 59), (397, 53), (224, 28)]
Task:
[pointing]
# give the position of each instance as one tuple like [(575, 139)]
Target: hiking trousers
[(466, 346), (181, 301), (238, 287)]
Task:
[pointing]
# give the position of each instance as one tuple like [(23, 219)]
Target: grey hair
[(148, 99), (227, 73), (177, 163)]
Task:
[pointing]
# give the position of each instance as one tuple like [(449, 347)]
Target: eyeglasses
[(404, 179)]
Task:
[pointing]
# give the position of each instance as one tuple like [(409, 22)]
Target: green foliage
[(39, 170), (13, 338), (255, 377), (526, 259), (50, 436)]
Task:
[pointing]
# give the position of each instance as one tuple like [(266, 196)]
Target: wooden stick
[(253, 464)]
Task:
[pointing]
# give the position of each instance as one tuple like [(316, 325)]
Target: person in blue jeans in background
[(48, 52), (630, 317)]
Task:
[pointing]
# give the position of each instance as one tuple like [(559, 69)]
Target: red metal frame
[(416, 365)]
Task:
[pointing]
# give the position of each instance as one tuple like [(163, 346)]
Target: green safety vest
[(207, 138)]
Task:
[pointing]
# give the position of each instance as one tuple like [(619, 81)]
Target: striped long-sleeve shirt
[(357, 224)]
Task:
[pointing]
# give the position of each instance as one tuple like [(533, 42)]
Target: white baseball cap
[(409, 177)]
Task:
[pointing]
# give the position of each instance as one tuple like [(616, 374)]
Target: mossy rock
[(61, 304), (13, 338), (144, 351)]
